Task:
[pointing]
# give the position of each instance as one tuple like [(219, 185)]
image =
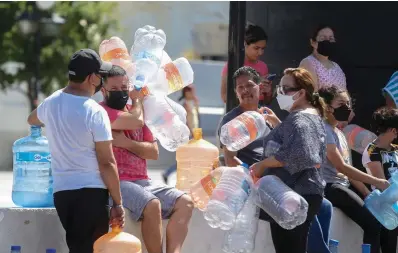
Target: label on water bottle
[(208, 184), (147, 55), (173, 77), (117, 53), (33, 157), (250, 125), (246, 186)]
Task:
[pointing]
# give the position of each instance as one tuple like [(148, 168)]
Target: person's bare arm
[(131, 120), (334, 156), (33, 120), (144, 150), (229, 158), (305, 64), (361, 187), (224, 88), (108, 170), (376, 169)]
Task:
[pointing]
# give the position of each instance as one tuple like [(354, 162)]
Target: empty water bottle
[(366, 248), (358, 138), (202, 190), (146, 53), (241, 238), (228, 197), (164, 122), (383, 205), (51, 251), (243, 130), (280, 202), (15, 249), (333, 246), (33, 182)]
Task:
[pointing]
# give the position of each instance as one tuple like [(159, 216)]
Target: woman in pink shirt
[(324, 71), (255, 43)]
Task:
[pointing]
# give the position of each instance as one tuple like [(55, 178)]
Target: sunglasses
[(283, 89)]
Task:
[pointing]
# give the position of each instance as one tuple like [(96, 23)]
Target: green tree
[(86, 25)]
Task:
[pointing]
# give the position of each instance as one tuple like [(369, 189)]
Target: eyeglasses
[(283, 89)]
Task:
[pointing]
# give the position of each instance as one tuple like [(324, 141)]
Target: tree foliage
[(86, 25)]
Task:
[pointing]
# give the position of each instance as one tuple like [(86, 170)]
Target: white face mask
[(285, 101)]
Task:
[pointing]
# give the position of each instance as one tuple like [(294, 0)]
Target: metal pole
[(236, 50), (36, 85)]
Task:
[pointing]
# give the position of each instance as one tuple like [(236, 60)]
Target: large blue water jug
[(33, 183), (383, 205)]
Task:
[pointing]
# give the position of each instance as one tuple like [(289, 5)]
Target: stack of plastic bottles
[(383, 205), (33, 182), (243, 130), (155, 75)]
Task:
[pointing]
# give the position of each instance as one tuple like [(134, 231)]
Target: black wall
[(367, 34)]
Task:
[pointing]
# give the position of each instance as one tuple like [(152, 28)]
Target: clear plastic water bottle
[(241, 238), (383, 205), (164, 122), (366, 248), (280, 202), (33, 182), (146, 53), (15, 249), (202, 190), (228, 197), (333, 246), (51, 251), (243, 130), (358, 138)]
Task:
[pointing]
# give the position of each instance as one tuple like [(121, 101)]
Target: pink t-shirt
[(130, 166), (259, 66)]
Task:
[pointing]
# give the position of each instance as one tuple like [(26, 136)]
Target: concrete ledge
[(38, 229)]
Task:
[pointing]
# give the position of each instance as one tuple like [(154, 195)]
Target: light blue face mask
[(392, 88)]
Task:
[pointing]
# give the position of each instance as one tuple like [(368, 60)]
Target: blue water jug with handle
[(383, 205), (33, 182)]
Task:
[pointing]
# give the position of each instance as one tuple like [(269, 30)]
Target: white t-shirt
[(73, 125)]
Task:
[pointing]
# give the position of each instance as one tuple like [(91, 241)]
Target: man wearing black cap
[(83, 166)]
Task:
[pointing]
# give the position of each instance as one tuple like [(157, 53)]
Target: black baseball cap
[(86, 62)]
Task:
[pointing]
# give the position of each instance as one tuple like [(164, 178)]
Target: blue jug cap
[(365, 248), (245, 165), (51, 250), (15, 247), (333, 242)]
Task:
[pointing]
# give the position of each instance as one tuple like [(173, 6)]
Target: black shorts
[(84, 214)]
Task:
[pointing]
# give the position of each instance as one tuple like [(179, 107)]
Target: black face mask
[(117, 99), (326, 48), (342, 113)]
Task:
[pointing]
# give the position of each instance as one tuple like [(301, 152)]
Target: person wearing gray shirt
[(337, 170), (294, 151)]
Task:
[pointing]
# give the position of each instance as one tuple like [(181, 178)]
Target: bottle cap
[(245, 165), (51, 250), (197, 133), (365, 248), (15, 247), (333, 242)]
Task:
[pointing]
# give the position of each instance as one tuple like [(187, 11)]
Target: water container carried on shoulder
[(383, 205), (243, 130), (117, 241), (358, 138), (280, 202), (194, 160), (33, 182)]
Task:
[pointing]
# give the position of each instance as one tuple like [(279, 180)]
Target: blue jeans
[(170, 170), (318, 237)]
